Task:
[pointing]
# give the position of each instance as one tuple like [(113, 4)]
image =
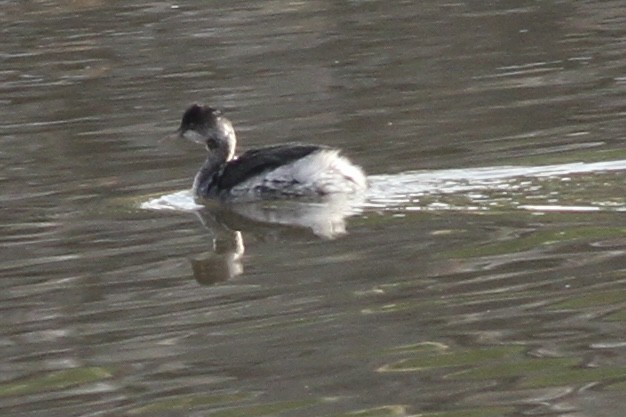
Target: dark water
[(485, 274)]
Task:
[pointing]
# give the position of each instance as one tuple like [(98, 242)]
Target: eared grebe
[(274, 172)]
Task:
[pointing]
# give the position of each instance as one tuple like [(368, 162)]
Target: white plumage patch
[(321, 173)]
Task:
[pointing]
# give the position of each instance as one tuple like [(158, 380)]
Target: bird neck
[(203, 183), (222, 148)]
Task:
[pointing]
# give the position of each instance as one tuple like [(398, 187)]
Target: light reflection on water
[(402, 191)]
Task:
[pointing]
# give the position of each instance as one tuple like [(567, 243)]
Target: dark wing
[(256, 161)]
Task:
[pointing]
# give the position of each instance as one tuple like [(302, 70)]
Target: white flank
[(320, 173)]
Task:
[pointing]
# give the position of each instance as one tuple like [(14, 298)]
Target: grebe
[(275, 172)]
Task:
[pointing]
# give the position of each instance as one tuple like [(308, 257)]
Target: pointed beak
[(172, 136)]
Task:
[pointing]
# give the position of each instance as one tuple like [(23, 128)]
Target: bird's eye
[(211, 144)]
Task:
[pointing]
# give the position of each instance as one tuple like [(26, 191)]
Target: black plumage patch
[(257, 161), (198, 116)]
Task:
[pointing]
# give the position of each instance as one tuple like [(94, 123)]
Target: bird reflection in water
[(223, 262), (269, 219)]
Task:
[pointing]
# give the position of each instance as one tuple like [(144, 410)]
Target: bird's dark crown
[(198, 117)]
